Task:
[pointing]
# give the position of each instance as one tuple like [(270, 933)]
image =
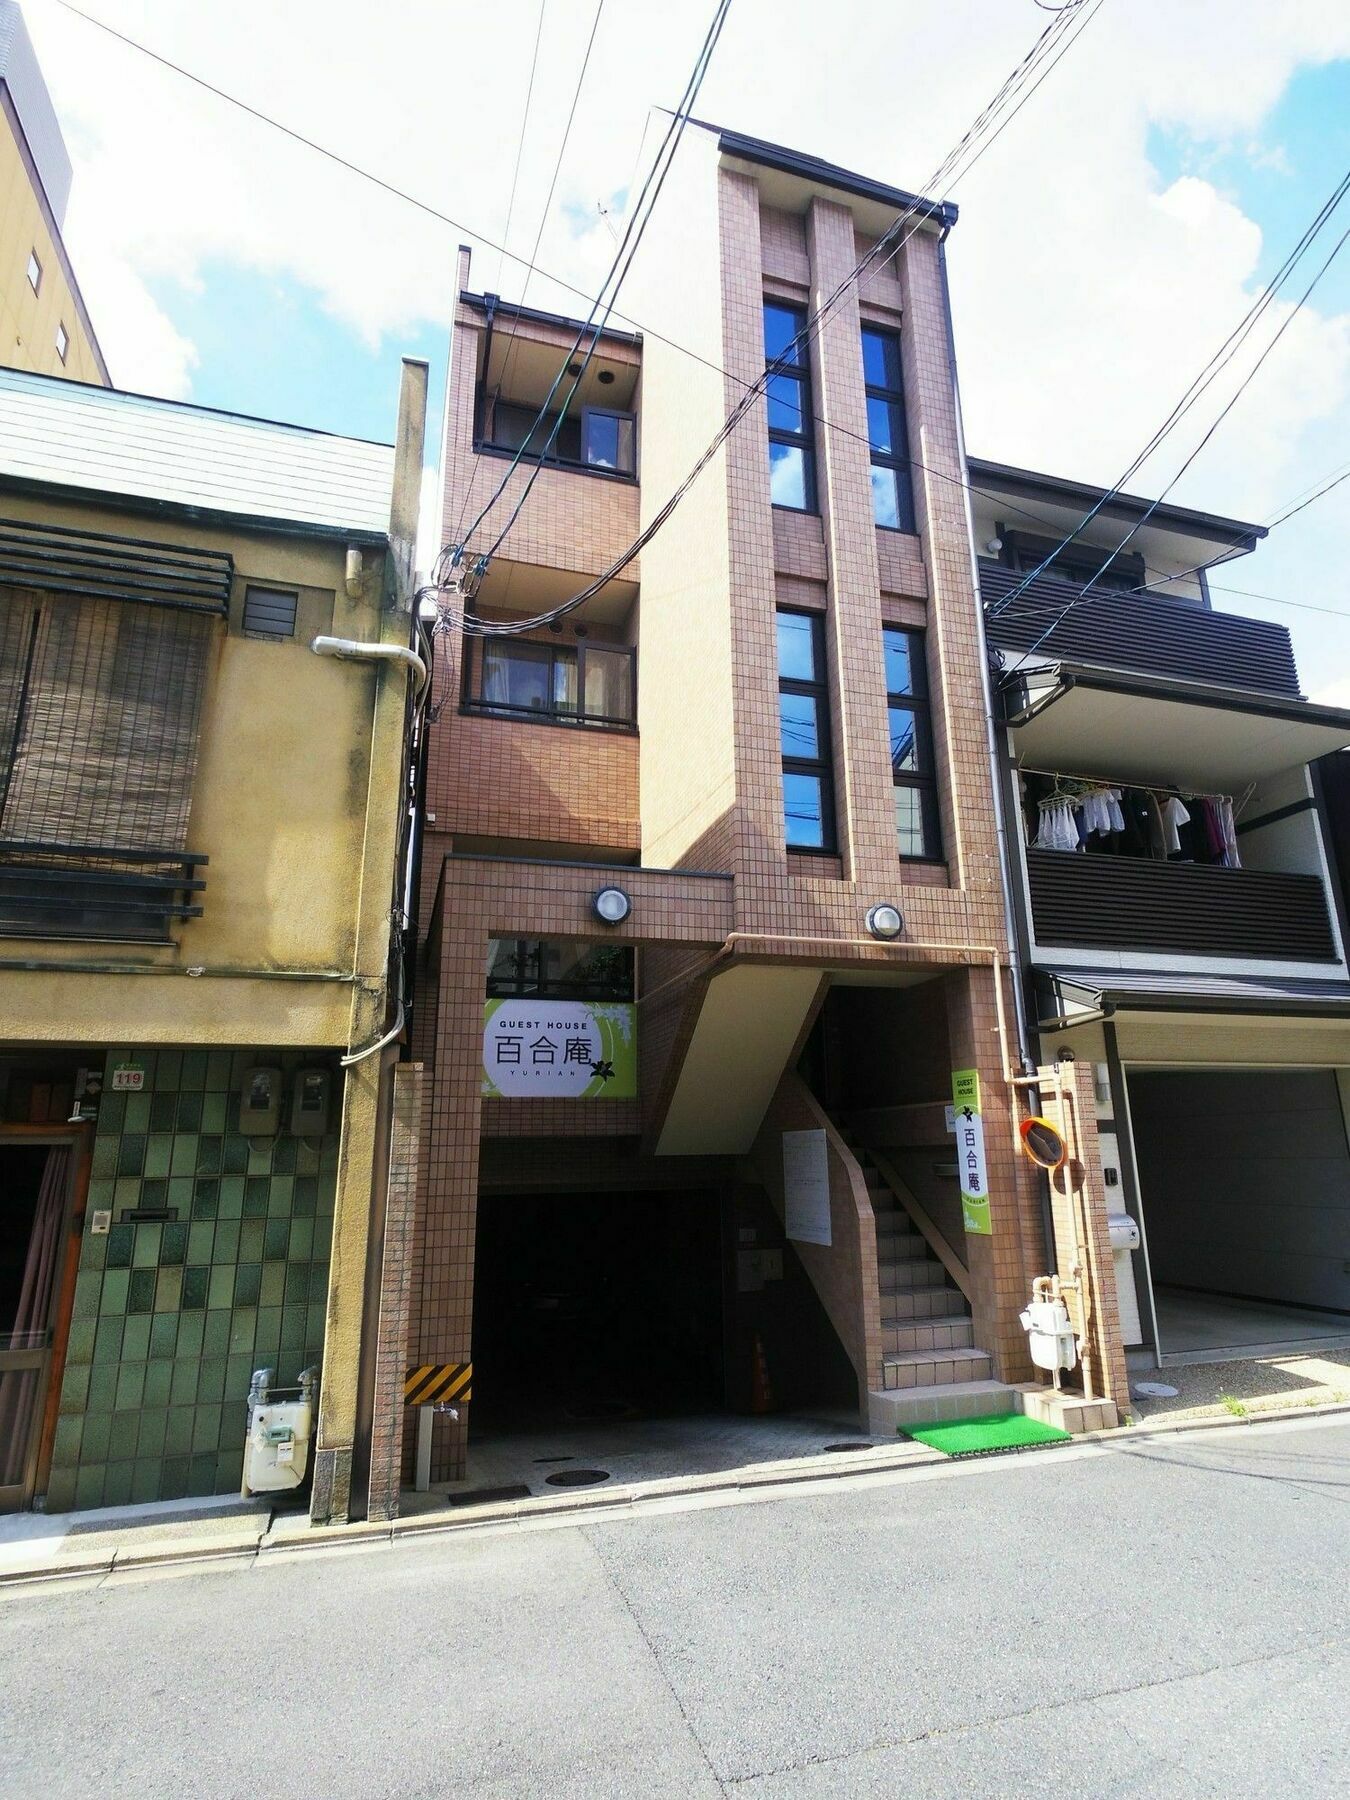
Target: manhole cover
[(1153, 1390), (577, 1477), (853, 1444)]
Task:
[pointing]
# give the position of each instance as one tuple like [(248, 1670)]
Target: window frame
[(533, 950), (623, 418), (821, 765), (922, 779), (34, 262), (805, 439), (62, 341), (484, 442), (547, 651), (892, 395)]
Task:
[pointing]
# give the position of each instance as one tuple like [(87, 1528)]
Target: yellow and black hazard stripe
[(429, 1382)]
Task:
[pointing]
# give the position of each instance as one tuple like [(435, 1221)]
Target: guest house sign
[(559, 1049)]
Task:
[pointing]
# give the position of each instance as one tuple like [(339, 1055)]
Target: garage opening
[(1245, 1183), (595, 1307), (641, 1334)]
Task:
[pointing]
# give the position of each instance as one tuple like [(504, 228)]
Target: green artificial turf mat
[(986, 1436)]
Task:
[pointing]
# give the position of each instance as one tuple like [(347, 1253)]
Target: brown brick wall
[(706, 791), (387, 1426)]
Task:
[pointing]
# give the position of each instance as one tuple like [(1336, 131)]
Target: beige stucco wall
[(288, 740), (28, 321)]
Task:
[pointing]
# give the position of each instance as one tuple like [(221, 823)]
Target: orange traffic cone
[(761, 1392)]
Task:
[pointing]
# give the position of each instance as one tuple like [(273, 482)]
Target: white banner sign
[(806, 1185)]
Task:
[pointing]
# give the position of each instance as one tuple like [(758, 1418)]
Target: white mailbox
[(1125, 1240)]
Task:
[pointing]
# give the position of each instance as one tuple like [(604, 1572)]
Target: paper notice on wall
[(970, 1161), (806, 1186)]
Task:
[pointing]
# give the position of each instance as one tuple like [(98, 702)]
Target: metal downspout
[(1015, 963)]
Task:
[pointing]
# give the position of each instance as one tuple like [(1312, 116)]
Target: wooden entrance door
[(38, 1171)]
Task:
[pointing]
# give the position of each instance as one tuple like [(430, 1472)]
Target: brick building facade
[(800, 738)]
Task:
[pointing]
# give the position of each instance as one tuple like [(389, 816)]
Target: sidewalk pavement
[(114, 1544)]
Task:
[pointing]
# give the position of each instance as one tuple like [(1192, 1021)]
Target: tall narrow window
[(792, 456), (916, 811), (804, 731), (62, 342), (892, 493), (34, 271)]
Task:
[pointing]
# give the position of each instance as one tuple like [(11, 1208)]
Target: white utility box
[(276, 1449), (1049, 1334)]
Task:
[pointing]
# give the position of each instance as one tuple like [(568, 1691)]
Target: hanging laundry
[(1228, 829), (1058, 827), (1173, 815)]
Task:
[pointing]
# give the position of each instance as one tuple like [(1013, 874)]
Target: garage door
[(1245, 1179)]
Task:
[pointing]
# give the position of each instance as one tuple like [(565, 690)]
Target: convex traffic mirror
[(1042, 1142)]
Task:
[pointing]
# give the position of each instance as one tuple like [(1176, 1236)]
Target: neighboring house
[(43, 322), (200, 827), (1200, 972), (716, 856)]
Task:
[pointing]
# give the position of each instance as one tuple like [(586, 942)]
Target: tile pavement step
[(898, 1408), (949, 1331), (905, 1272), (928, 1302), (935, 1368)]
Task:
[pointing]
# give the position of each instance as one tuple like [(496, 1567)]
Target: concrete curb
[(572, 1509), (1264, 1415)]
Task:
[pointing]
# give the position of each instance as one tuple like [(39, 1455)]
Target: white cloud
[(1087, 290)]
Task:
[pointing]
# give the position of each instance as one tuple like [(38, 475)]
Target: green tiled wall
[(171, 1320)]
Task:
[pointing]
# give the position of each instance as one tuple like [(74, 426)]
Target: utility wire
[(1242, 387), (524, 133), (553, 183), (530, 265), (885, 246), (594, 326), (543, 219), (1199, 384)]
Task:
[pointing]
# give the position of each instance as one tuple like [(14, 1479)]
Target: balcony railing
[(1178, 909), (598, 440), (1135, 631), (84, 891)]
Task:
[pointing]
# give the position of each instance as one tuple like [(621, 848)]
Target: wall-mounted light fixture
[(611, 906), (885, 921)]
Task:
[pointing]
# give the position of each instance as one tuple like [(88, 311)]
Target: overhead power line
[(524, 132), (530, 264), (600, 312), (885, 247), (553, 181), (1198, 386)]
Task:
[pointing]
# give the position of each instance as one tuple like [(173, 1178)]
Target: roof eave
[(1232, 534), (149, 507), (819, 173)]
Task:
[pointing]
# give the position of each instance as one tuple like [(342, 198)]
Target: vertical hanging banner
[(970, 1152)]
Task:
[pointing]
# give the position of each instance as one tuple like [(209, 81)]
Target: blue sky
[(306, 366), (1107, 243)]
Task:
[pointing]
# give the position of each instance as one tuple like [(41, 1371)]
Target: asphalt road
[(1165, 1617)]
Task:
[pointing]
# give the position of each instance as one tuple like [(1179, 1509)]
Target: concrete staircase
[(931, 1367)]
